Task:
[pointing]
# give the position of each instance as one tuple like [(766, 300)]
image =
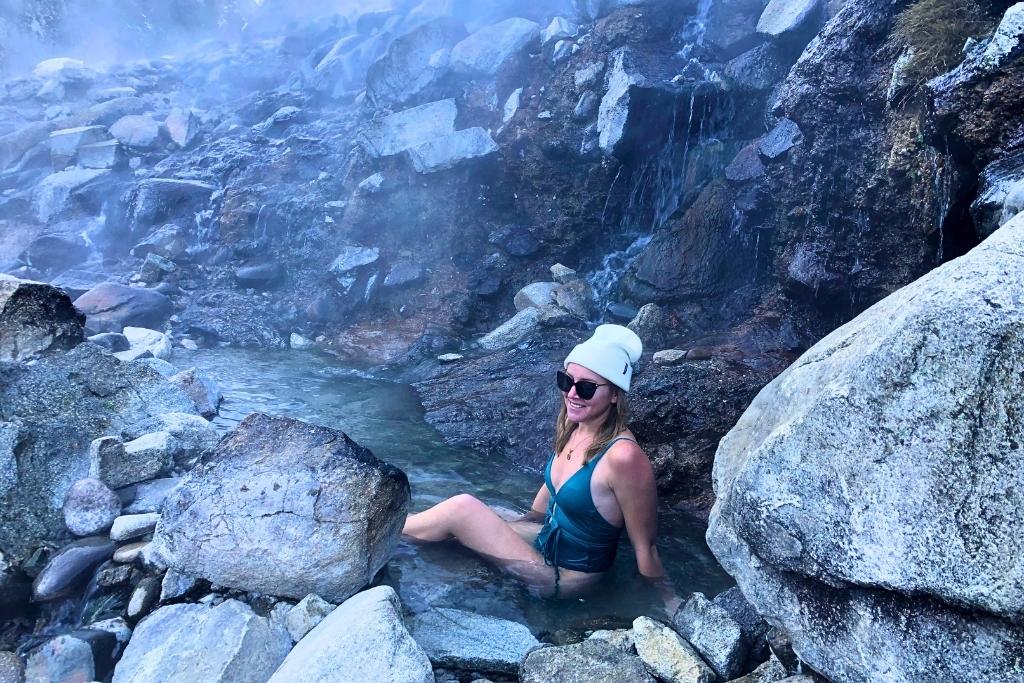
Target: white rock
[(127, 527), (512, 331), (667, 655), (1007, 38), (300, 343), (485, 52), (562, 274), (447, 152), (136, 131), (785, 16), (141, 339), (449, 357), (303, 617), (182, 127), (406, 129), (64, 144), (535, 295), (511, 105), (669, 357), (614, 110), (559, 28)]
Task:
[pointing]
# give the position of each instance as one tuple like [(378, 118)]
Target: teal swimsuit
[(575, 535)]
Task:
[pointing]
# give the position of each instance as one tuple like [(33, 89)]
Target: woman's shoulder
[(625, 454)]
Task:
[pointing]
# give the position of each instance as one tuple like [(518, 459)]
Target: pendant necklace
[(568, 456)]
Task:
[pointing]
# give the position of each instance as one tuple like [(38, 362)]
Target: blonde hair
[(614, 424)]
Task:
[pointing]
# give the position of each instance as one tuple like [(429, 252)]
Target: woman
[(597, 483)]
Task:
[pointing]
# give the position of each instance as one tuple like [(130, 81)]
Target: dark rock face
[(71, 567), (48, 449), (35, 318), (111, 307)]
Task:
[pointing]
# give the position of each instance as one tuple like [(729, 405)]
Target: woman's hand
[(667, 592)]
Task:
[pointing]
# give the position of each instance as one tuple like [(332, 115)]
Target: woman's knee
[(465, 503)]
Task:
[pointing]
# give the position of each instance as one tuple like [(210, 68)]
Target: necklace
[(572, 449)]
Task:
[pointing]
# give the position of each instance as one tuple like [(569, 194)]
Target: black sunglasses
[(585, 389)]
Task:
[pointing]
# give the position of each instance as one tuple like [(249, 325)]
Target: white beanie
[(610, 353)]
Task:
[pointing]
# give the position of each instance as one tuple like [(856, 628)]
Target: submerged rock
[(35, 318), (71, 567), (592, 661), (912, 407), (302, 508), (224, 644), (463, 640), (363, 640)]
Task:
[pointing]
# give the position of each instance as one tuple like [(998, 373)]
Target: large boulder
[(224, 644), (155, 201), (413, 62), (35, 318), (50, 412), (110, 307), (60, 194), (364, 639), (285, 508), (443, 153), (407, 129), (867, 497), (491, 48)]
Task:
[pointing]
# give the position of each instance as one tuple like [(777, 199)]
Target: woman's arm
[(539, 506)]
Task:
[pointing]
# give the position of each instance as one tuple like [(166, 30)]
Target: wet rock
[(621, 638), (99, 395), (669, 357), (562, 274), (650, 325), (156, 268), (150, 495), (108, 154), (127, 554), (732, 26), (140, 338), (404, 273), (713, 632), (15, 587), (57, 195), (64, 144), (577, 298), (924, 385), (64, 658), (90, 507), (353, 257), (487, 51), (156, 201), (274, 476), (204, 392), (668, 655), (263, 276), (127, 527), (364, 639), (443, 153), (59, 248), (614, 110), (757, 69), (144, 598), (535, 295), (413, 62), (141, 132), (71, 567), (781, 139), (1001, 196), (35, 318), (176, 585), (512, 331), (110, 307), (592, 661), (472, 642), (169, 241), (219, 644), (182, 127), (746, 165), (586, 106), (450, 357), (787, 16), (303, 617), (12, 670), (406, 129), (116, 627), (559, 29)]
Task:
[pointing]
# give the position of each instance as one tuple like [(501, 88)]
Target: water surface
[(388, 418)]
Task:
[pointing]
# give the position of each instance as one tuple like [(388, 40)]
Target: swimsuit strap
[(608, 446)]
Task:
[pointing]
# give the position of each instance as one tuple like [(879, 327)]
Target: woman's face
[(580, 410)]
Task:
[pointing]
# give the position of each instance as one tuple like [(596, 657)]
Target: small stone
[(781, 139), (176, 585), (182, 127), (713, 633), (669, 357), (621, 638), (563, 50), (90, 507), (127, 527), (588, 75), (372, 184), (562, 274), (300, 343), (144, 598), (303, 617), (127, 554), (511, 105), (544, 115), (142, 339), (71, 567), (60, 659), (649, 324), (667, 655), (403, 273), (699, 353), (449, 357), (352, 257), (559, 29), (113, 575), (586, 107), (111, 341), (188, 345), (203, 391)]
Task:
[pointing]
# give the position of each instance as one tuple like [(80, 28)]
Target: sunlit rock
[(602, 662), (64, 144), (35, 318), (488, 50), (285, 508), (71, 567), (90, 507), (884, 461), (446, 152), (668, 655), (413, 62), (223, 644), (786, 16), (54, 197), (462, 640), (364, 639), (155, 342), (111, 307), (136, 131), (406, 129)]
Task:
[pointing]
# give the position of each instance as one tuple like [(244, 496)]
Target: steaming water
[(387, 418)]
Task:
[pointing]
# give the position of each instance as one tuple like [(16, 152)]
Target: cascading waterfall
[(942, 186)]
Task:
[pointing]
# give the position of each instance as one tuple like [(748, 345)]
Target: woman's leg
[(472, 524)]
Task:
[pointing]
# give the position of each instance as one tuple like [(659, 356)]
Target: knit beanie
[(610, 352)]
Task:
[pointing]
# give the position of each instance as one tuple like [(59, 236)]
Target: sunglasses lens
[(563, 381), (585, 389)]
